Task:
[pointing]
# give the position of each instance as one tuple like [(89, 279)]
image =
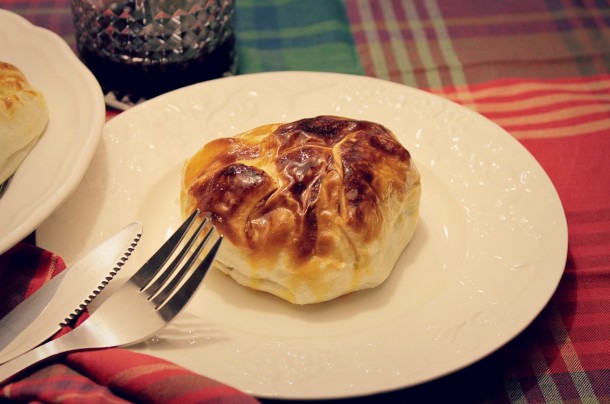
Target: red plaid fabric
[(440, 43), (55, 15)]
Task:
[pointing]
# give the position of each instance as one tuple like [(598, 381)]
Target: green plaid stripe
[(309, 35)]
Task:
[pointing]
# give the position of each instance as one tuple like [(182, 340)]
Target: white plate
[(486, 257), (76, 116)]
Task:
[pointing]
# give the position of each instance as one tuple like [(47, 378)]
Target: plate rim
[(507, 137)]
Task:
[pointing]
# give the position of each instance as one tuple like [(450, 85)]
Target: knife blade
[(62, 298)]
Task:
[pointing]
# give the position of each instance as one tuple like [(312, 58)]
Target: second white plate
[(77, 113), (487, 255)]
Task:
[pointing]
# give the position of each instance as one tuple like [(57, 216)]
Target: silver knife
[(62, 298)]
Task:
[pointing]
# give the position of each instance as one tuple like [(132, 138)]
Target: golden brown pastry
[(23, 117), (310, 210)]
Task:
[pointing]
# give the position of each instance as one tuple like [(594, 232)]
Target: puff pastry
[(310, 210), (23, 117)]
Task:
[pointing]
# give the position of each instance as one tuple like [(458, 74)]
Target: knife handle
[(77, 339)]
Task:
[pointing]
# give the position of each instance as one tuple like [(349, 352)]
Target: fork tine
[(171, 268), (178, 300), (154, 264), (167, 290)]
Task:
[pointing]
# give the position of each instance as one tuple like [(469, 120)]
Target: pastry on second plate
[(310, 210), (23, 117)]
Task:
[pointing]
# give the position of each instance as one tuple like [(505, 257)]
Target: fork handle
[(66, 343)]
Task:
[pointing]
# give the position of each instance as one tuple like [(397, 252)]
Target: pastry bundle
[(310, 210)]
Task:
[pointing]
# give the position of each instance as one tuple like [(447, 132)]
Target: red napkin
[(108, 375)]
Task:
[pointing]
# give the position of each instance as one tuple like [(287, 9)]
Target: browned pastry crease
[(308, 205)]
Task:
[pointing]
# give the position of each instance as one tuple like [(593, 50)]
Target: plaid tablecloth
[(541, 70)]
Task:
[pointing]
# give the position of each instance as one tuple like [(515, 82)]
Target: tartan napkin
[(441, 43), (112, 375)]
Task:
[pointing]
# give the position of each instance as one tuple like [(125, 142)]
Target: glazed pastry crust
[(23, 117), (310, 210)]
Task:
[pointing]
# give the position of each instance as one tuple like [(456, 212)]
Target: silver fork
[(144, 304)]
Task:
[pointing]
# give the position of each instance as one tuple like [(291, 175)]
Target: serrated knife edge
[(115, 270), (41, 315)]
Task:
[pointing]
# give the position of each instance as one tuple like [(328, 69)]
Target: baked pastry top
[(23, 117), (310, 210)]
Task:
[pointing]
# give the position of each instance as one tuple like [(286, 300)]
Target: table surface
[(539, 69)]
